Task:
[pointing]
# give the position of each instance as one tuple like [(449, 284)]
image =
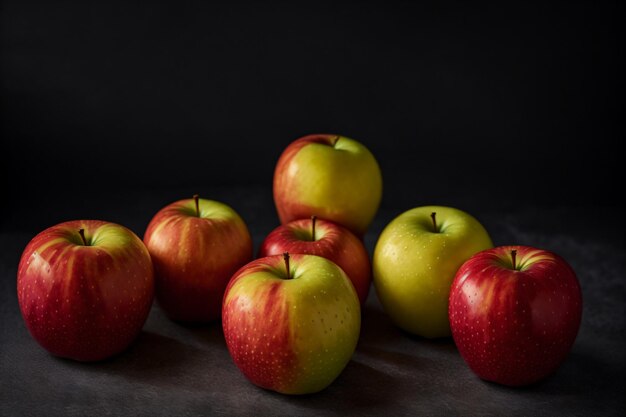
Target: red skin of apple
[(84, 302), (515, 327), (278, 335), (192, 272), (333, 242), (287, 209)]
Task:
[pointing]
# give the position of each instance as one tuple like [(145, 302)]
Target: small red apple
[(328, 240), (515, 313), (196, 246), (85, 288)]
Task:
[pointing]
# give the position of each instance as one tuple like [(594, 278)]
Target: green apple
[(415, 260), (332, 177), (292, 326)]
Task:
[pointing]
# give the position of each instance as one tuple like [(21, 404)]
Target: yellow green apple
[(415, 260), (330, 176)]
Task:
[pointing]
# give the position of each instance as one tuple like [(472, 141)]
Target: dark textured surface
[(176, 370)]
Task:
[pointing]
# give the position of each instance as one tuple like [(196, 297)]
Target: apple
[(415, 260), (330, 176), (515, 313), (326, 239), (196, 245), (85, 288), (291, 327)]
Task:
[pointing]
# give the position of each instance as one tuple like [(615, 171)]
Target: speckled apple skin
[(332, 241), (85, 302), (515, 327), (414, 265), (195, 255), (294, 336)]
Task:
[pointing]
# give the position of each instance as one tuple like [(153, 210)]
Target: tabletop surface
[(180, 370)]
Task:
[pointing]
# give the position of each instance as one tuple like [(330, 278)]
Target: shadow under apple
[(161, 362)]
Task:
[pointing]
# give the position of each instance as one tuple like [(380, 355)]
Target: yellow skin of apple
[(414, 267), (332, 177)]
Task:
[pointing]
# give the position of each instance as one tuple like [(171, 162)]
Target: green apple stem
[(433, 216), (313, 219), (286, 258), (81, 232), (513, 256), (335, 140), (196, 198)]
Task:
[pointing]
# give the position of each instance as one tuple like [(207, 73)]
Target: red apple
[(85, 288), (514, 313), (326, 239), (196, 245), (291, 326)]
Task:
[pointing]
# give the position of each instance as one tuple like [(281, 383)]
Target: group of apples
[(292, 317)]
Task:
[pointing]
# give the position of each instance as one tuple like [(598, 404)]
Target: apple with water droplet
[(415, 260), (291, 323), (515, 312), (196, 245), (85, 288)]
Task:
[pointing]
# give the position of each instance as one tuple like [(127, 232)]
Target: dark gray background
[(521, 103), (511, 113)]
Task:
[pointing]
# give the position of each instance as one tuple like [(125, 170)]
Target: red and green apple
[(196, 245), (515, 312), (291, 324), (330, 176), (326, 239), (85, 288)]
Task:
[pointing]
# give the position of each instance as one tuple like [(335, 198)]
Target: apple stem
[(286, 258), (196, 198), (513, 256), (433, 216), (81, 232), (313, 219), (335, 140)]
